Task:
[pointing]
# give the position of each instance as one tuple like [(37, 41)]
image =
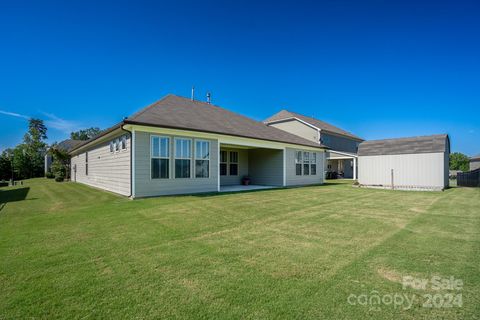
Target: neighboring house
[(475, 162), (180, 146), (65, 145), (405, 163), (343, 145)]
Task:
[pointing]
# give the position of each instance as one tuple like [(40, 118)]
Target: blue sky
[(379, 69)]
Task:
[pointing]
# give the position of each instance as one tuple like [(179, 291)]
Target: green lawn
[(70, 251)]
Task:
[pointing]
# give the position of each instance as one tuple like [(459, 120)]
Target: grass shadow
[(13, 195)]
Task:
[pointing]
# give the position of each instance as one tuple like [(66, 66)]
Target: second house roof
[(287, 115)]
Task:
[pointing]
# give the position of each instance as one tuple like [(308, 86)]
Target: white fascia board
[(315, 127), (222, 138), (349, 155), (294, 118)]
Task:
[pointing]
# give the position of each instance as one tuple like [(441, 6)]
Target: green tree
[(459, 161), (6, 159), (21, 162), (61, 162), (85, 134), (35, 147)]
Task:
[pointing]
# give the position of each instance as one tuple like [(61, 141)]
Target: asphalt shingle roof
[(285, 114), (181, 113), (69, 144), (411, 145), (477, 157)]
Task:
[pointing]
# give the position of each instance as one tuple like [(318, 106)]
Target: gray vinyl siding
[(335, 142), (147, 187), (298, 128), (339, 143), (293, 179), (266, 167), (229, 180), (410, 171), (106, 170)]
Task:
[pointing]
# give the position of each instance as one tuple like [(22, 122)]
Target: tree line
[(27, 159)]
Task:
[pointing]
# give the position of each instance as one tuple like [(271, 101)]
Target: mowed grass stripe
[(286, 253)]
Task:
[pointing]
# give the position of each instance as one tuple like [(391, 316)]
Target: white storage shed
[(416, 163)]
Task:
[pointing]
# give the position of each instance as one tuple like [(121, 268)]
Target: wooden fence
[(469, 179)]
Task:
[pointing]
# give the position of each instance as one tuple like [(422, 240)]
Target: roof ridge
[(411, 137)]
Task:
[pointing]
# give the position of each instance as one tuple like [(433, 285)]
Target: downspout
[(131, 159)]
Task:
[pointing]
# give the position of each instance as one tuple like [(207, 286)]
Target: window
[(223, 163), (202, 159), (306, 163), (117, 145), (111, 147), (298, 163), (233, 163), (160, 157), (86, 163), (124, 142), (313, 164), (183, 155)]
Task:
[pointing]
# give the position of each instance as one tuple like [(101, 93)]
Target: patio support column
[(354, 168), (132, 171), (218, 165), (284, 167)]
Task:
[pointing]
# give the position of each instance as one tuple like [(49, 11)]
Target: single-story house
[(65, 145), (341, 158), (181, 146), (420, 163), (475, 162)]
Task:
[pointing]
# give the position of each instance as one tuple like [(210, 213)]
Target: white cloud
[(13, 114), (60, 124)]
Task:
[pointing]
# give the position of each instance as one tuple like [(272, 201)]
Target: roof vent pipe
[(209, 98), (193, 93)]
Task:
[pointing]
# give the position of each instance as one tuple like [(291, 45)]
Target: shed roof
[(411, 145), (285, 115)]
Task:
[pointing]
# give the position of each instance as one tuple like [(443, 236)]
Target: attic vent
[(209, 98)]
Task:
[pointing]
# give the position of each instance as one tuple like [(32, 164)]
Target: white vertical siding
[(106, 170), (410, 171)]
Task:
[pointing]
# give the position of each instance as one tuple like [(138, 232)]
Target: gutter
[(313, 145)]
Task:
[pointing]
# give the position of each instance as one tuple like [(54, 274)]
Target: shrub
[(49, 175), (59, 178)]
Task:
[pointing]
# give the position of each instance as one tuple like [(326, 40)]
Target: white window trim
[(126, 140), (175, 156), (195, 157), (305, 162), (159, 157), (313, 162), (229, 159), (300, 162), (220, 162)]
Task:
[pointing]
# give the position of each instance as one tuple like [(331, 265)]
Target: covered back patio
[(243, 167), (341, 165)]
